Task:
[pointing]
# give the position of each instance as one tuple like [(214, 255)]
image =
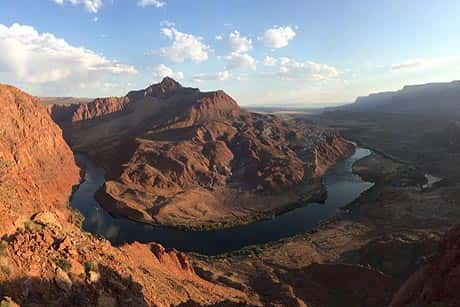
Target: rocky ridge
[(37, 168), (196, 159), (436, 281), (45, 258)]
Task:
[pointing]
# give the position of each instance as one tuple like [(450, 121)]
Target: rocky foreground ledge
[(54, 263), (45, 258)]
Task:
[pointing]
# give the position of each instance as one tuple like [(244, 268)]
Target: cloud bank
[(91, 6), (155, 3), (43, 59), (184, 47), (278, 37)]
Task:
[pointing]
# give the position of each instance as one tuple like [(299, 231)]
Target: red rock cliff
[(170, 149), (329, 152), (47, 260), (37, 168), (437, 282)]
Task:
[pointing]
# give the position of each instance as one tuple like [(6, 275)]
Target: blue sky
[(305, 53)]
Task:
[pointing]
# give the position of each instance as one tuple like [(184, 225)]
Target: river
[(342, 185)]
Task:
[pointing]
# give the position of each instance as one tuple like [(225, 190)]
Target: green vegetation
[(32, 226), (3, 247), (92, 266), (77, 217), (63, 263), (5, 268)]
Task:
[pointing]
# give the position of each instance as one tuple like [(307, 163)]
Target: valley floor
[(360, 258)]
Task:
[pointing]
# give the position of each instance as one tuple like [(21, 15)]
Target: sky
[(285, 53)]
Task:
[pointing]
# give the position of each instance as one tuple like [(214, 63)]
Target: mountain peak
[(166, 86), (169, 82)]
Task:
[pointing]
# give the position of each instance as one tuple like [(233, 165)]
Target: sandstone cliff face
[(330, 152), (65, 115), (37, 168), (180, 157), (54, 264), (99, 108), (45, 259), (435, 283)]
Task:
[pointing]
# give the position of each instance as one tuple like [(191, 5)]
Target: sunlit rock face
[(45, 258), (177, 156), (37, 168)]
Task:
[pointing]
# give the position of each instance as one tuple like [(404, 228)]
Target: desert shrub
[(63, 263), (77, 217), (3, 247), (5, 268), (92, 266), (32, 226)]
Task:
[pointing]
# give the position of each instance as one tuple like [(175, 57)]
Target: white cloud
[(155, 3), (405, 65), (240, 61), (162, 71), (33, 58), (184, 47), (425, 63), (219, 37), (91, 6), (307, 70), (290, 69), (223, 75), (270, 61), (167, 23), (238, 43), (278, 37), (220, 76), (238, 58)]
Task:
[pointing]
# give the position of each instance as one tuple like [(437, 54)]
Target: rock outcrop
[(45, 259), (37, 168), (329, 152), (56, 264), (436, 282), (180, 157), (67, 114)]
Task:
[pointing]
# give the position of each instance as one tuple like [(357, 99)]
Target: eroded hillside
[(45, 258), (180, 157), (37, 168)]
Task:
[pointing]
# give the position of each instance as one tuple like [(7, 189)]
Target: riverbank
[(342, 185), (370, 248), (236, 207), (376, 168), (255, 213)]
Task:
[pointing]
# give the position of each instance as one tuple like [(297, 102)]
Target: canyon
[(45, 258), (179, 157), (393, 245)]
